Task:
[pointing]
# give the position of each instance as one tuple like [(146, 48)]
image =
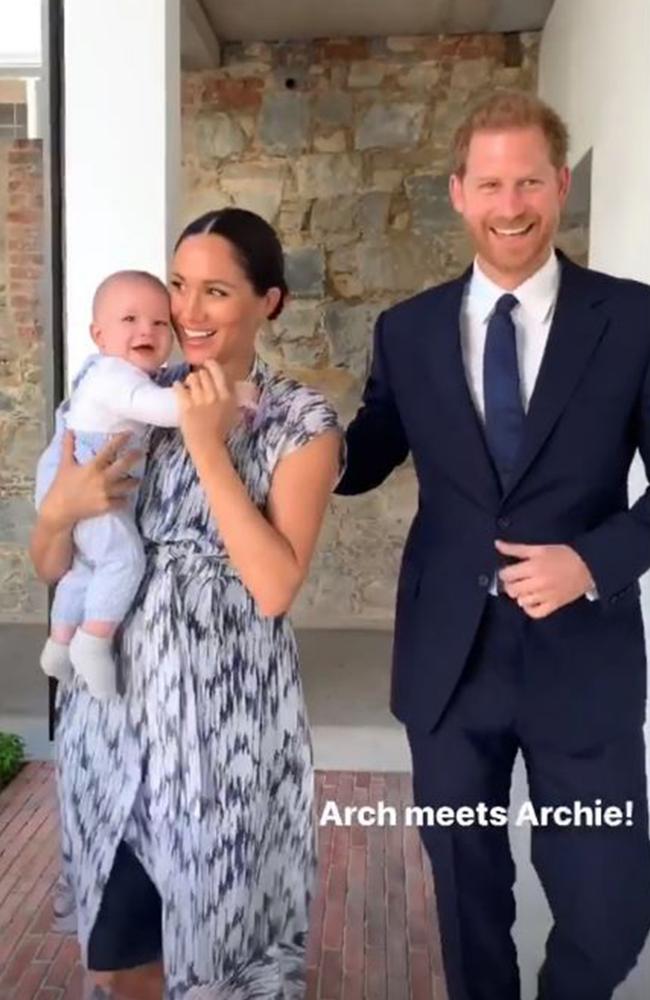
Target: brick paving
[(372, 931)]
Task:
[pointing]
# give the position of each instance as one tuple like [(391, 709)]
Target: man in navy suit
[(522, 391)]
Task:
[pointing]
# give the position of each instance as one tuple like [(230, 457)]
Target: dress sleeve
[(309, 416)]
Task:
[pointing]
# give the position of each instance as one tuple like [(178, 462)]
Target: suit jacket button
[(504, 522), (484, 580)]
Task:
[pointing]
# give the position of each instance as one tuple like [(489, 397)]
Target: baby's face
[(132, 322)]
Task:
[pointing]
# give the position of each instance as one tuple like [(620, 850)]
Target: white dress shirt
[(533, 316)]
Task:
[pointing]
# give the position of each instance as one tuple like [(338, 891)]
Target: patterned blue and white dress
[(204, 764)]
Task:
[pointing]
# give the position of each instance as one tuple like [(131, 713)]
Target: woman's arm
[(272, 553), (50, 548), (270, 550), (78, 492)]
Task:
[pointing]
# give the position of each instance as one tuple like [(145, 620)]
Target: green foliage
[(12, 757)]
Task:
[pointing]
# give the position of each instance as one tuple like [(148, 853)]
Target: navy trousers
[(596, 879)]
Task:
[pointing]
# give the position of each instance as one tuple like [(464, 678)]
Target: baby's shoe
[(92, 658), (55, 660)]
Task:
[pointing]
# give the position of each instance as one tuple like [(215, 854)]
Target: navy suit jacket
[(584, 672)]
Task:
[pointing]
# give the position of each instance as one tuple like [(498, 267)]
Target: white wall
[(122, 148), (20, 33), (595, 70)]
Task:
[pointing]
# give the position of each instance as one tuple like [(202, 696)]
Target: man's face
[(510, 196)]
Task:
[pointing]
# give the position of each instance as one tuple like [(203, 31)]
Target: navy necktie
[(504, 411)]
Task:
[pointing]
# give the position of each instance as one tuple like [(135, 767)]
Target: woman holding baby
[(186, 799)]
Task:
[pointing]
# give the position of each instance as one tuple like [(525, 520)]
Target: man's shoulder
[(627, 290), (424, 301)]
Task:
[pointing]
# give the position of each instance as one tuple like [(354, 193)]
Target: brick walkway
[(372, 926)]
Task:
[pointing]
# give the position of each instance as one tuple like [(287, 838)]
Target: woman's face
[(215, 309)]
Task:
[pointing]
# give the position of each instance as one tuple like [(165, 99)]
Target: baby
[(113, 392)]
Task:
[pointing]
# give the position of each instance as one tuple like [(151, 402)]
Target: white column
[(34, 90), (122, 147)]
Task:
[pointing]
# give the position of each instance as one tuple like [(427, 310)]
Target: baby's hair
[(113, 279)]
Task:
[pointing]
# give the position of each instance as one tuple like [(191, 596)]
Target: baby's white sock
[(55, 660), (92, 658)]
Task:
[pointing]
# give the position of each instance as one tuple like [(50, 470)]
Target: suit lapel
[(575, 332), (461, 424)]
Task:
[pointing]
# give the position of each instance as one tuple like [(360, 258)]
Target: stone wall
[(22, 399), (343, 145)]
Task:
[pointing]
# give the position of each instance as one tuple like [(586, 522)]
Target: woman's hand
[(208, 408), (98, 486)]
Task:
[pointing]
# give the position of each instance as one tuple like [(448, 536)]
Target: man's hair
[(114, 279), (505, 110)]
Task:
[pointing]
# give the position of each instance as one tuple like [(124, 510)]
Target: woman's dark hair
[(256, 245)]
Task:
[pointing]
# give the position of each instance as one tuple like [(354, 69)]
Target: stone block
[(16, 519), (348, 329), (431, 209), (347, 285), (385, 179), (402, 43), (390, 126), (218, 136), (333, 108), (333, 215), (325, 175), (23, 442), (298, 354), (293, 217), (297, 322), (470, 75), (372, 212), (335, 142), (422, 76), (284, 122), (394, 264), (256, 186), (200, 200), (366, 74), (23, 598), (305, 271), (344, 272)]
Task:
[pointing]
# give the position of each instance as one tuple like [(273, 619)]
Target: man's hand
[(546, 578)]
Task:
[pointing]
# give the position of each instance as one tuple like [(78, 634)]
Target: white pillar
[(122, 147), (34, 91)]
